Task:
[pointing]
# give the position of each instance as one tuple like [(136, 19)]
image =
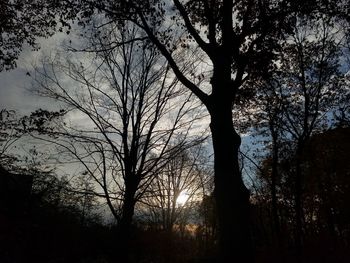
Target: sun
[(182, 198)]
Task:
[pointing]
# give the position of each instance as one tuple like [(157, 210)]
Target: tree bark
[(231, 195)]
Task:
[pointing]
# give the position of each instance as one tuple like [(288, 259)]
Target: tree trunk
[(125, 222), (299, 215), (231, 195), (274, 175)]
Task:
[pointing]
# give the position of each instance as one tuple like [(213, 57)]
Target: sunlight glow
[(182, 198)]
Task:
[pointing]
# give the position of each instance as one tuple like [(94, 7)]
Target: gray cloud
[(15, 84)]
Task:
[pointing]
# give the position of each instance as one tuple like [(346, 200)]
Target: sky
[(15, 87), (15, 84), (14, 93)]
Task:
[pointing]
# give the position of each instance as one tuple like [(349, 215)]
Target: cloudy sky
[(14, 93), (15, 84)]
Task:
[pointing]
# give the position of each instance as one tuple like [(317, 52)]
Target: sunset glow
[(182, 198)]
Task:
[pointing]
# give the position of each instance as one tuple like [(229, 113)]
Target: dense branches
[(132, 110)]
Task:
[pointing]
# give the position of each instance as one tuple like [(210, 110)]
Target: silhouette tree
[(304, 88), (324, 191), (132, 109), (326, 179), (265, 114), (307, 91), (184, 175)]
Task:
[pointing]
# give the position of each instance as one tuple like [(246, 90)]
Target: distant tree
[(177, 190), (263, 120), (207, 228), (296, 99), (308, 90), (327, 183)]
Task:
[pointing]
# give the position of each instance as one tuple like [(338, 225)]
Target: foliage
[(22, 22)]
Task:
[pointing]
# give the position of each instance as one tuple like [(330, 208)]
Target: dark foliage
[(22, 22), (325, 192)]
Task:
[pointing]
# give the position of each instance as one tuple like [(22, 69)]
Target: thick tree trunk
[(232, 197)]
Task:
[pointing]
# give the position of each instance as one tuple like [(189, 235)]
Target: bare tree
[(177, 190), (238, 40), (129, 109)]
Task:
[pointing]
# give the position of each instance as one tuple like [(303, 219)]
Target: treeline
[(43, 221), (324, 233), (44, 218), (51, 218)]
